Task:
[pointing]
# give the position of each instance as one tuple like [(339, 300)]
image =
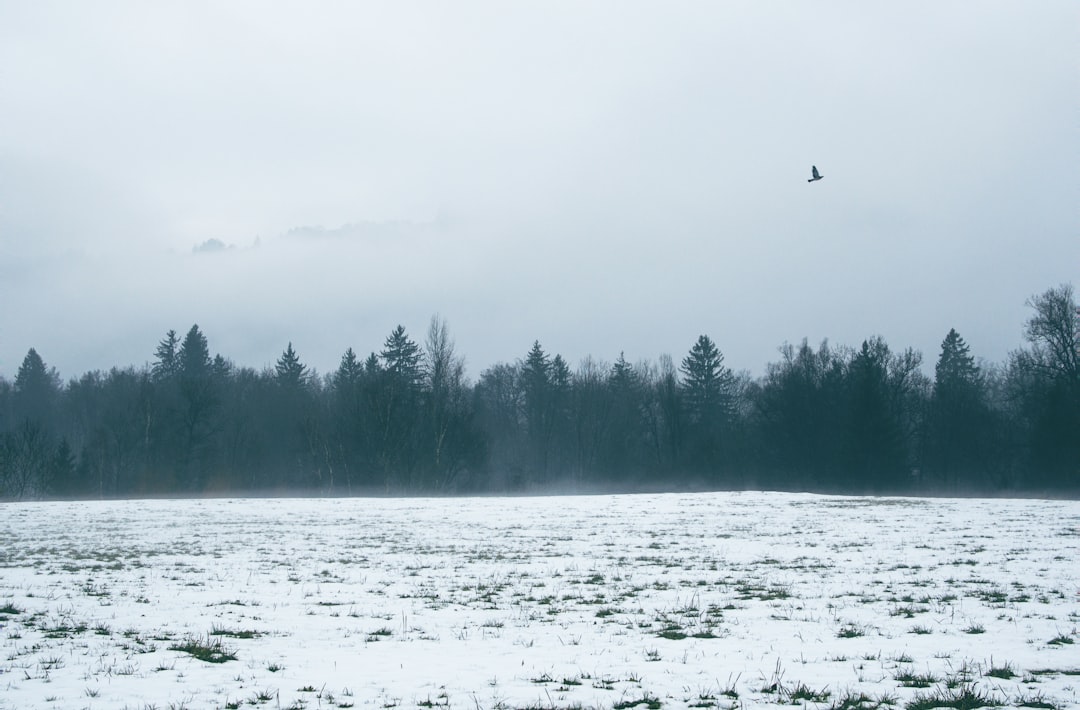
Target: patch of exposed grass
[(801, 691), (66, 630), (210, 651), (380, 633), (908, 611), (1037, 700), (862, 701), (1056, 671), (672, 633), (649, 701), (850, 631), (233, 633), (760, 592), (964, 697), (1005, 671), (915, 680), (994, 597)]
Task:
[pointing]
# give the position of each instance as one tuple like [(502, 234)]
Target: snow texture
[(676, 600)]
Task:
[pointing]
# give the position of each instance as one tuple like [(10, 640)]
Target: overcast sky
[(599, 176)]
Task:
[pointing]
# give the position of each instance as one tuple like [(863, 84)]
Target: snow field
[(677, 600)]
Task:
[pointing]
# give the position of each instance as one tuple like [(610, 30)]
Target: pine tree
[(194, 355), (350, 416), (167, 362), (535, 380), (199, 399), (401, 359), (349, 372), (708, 385), (290, 372), (372, 366), (396, 376), (958, 416), (955, 372), (708, 389), (36, 390), (624, 450), (537, 396), (221, 368), (622, 375), (560, 426)]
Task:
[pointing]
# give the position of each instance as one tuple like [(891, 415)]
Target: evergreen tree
[(536, 388), (536, 380), (396, 394), (708, 395), (349, 371), (36, 391), (193, 358), (198, 405), (349, 416), (958, 421), (955, 369), (35, 400), (707, 384), (372, 366), (401, 359), (625, 451), (560, 434), (289, 371), (221, 369), (623, 377), (167, 359)]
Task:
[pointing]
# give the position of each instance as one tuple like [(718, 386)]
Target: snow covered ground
[(697, 600)]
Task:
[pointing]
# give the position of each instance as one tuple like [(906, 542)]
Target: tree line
[(406, 419)]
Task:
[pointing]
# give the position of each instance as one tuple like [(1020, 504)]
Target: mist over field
[(603, 179), (490, 247)]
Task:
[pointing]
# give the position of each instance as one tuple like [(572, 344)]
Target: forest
[(406, 420)]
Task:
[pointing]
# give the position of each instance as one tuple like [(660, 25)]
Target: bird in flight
[(817, 175)]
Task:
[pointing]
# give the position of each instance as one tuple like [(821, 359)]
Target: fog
[(602, 178)]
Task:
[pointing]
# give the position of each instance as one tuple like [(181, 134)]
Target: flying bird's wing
[(814, 169)]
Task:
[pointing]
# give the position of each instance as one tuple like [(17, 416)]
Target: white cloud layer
[(603, 177)]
